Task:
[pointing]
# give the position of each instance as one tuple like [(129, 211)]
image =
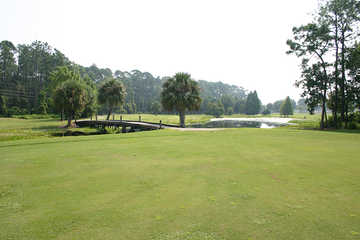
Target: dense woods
[(29, 75)]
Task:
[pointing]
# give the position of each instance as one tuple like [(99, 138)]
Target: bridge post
[(113, 116), (121, 118), (139, 118), (160, 124), (96, 116), (91, 117)]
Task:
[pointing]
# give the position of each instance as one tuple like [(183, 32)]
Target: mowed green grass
[(231, 184)]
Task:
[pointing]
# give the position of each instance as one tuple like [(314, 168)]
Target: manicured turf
[(231, 184)]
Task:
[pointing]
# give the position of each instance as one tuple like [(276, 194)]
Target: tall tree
[(240, 106), (216, 108), (286, 108), (112, 93), (156, 107), (181, 93), (58, 76), (71, 96), (353, 66), (253, 104), (311, 43), (342, 17), (7, 68), (228, 103), (27, 72), (3, 106)]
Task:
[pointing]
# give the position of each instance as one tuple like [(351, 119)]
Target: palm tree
[(72, 98), (181, 93), (112, 93)]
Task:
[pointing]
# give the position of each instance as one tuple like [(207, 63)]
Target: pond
[(244, 123)]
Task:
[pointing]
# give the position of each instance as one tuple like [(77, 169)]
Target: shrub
[(357, 117), (14, 111), (266, 112), (331, 122), (352, 125), (230, 111)]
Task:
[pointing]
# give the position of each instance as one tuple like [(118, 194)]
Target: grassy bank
[(165, 118), (231, 184), (20, 128), (37, 126)]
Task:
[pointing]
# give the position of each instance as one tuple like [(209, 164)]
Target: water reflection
[(236, 124)]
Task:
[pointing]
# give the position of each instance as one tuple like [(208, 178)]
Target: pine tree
[(286, 108), (253, 104)]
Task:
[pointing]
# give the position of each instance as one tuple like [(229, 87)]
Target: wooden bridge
[(126, 126)]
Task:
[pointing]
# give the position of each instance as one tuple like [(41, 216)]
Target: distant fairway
[(231, 184)]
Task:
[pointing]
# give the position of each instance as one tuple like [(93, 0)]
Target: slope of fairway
[(231, 184)]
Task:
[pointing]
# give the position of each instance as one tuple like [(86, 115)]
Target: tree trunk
[(336, 69), (324, 94), (323, 111), (346, 116), (326, 119), (109, 113), (69, 120), (342, 86), (182, 118)]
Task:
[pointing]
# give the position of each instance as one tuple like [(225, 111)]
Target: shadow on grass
[(327, 130)]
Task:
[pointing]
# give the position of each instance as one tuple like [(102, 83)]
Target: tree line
[(329, 50), (30, 73)]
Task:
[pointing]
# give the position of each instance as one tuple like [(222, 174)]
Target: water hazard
[(244, 123)]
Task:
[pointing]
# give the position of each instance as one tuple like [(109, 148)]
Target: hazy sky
[(236, 42)]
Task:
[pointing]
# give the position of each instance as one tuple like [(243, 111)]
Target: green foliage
[(228, 102), (275, 106), (156, 107), (240, 106), (43, 105), (332, 123), (266, 111), (3, 106), (63, 74), (71, 97), (28, 69), (324, 48), (130, 107), (229, 111), (7, 62), (181, 93), (286, 108), (301, 106), (216, 109), (253, 104), (311, 41), (112, 94), (91, 106), (15, 111), (228, 94), (352, 125), (60, 75)]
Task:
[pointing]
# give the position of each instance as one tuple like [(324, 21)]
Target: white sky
[(236, 42)]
